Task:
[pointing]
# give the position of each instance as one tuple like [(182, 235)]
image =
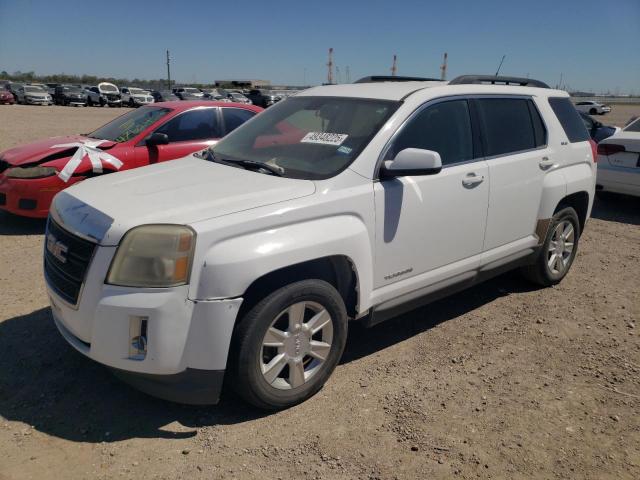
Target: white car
[(351, 202), (619, 161), (238, 98), (135, 97), (593, 108)]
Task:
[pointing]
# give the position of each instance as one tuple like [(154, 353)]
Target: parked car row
[(106, 93)]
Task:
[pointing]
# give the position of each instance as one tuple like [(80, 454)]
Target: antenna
[(443, 68), (330, 67), (500, 66), (394, 66)]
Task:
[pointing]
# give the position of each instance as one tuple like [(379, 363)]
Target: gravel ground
[(500, 381)]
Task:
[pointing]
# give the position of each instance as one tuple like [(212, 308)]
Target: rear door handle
[(471, 180), (545, 163)]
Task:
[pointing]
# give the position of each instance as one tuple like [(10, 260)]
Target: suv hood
[(182, 191)]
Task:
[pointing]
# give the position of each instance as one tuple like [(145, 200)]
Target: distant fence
[(609, 100)]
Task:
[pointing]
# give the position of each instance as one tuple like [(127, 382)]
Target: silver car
[(34, 95)]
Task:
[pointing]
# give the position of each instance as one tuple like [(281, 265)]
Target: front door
[(432, 227), (188, 132)]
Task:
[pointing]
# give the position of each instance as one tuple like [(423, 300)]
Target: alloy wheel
[(561, 247), (296, 345)]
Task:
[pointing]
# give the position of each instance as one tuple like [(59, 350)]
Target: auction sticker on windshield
[(324, 138)]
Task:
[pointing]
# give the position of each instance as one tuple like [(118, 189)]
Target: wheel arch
[(337, 270), (579, 201)]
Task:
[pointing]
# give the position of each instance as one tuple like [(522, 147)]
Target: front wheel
[(286, 347), (558, 250), (593, 111)]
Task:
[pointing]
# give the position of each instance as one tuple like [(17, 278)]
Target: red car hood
[(42, 151)]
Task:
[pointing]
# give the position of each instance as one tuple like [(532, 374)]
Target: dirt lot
[(501, 381)]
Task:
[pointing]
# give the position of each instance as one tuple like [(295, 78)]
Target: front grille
[(66, 261)]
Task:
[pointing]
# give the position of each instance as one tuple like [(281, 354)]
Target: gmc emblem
[(57, 248)]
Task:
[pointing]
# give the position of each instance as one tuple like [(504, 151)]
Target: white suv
[(344, 202)]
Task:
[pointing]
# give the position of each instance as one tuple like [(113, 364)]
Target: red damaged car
[(7, 97), (30, 175)]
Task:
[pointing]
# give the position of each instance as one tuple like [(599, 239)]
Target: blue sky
[(594, 44)]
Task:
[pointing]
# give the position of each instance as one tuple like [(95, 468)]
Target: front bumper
[(31, 197), (187, 341), (38, 101)]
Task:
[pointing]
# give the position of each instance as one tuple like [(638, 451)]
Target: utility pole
[(500, 66), (394, 66), (168, 70), (443, 68), (330, 67)]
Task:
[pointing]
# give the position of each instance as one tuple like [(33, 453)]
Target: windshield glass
[(33, 89), (72, 89), (192, 90), (633, 126), (105, 87), (308, 137), (137, 91), (130, 124)]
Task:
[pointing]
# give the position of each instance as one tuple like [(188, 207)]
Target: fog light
[(137, 337)]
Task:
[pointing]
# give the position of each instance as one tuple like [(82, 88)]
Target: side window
[(444, 128), (508, 125), (569, 118), (201, 124), (234, 117), (539, 130)]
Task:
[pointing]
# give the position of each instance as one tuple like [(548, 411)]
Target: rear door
[(515, 146), (188, 132)]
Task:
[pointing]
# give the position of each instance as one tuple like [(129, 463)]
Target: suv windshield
[(308, 137), (130, 124)]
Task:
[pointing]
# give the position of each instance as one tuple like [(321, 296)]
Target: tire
[(593, 111), (283, 386), (553, 263), (89, 102), (102, 102), (131, 103)]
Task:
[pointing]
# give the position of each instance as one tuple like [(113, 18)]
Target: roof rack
[(492, 79), (389, 78)]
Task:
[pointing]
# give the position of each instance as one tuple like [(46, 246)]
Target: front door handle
[(545, 163), (471, 180)]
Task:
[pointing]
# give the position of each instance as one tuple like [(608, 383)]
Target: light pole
[(168, 70)]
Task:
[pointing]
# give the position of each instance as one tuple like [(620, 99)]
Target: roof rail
[(389, 78), (492, 79)]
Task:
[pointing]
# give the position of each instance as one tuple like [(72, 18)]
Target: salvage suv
[(345, 202)]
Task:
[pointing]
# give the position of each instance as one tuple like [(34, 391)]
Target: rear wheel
[(558, 250), (287, 346), (593, 111), (89, 102)]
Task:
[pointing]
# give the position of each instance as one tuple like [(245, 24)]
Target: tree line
[(31, 77)]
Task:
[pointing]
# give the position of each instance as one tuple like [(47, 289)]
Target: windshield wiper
[(247, 164)]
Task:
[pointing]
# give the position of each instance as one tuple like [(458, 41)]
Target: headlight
[(153, 256), (30, 172)]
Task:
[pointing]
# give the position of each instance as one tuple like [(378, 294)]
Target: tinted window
[(634, 126), (444, 128), (198, 124), (234, 117), (571, 122), (539, 130), (508, 125)]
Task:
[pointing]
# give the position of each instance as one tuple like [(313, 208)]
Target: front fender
[(229, 267)]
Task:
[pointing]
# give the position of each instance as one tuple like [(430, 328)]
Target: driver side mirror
[(412, 161), (156, 139)]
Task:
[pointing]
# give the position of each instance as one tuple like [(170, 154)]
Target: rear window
[(510, 125), (570, 120)]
